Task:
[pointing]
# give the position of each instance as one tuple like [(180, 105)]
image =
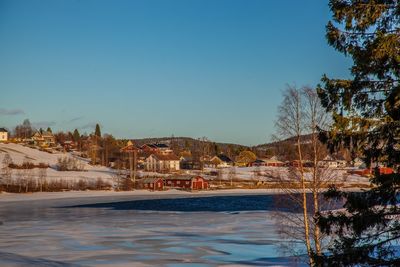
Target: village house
[(327, 164), (257, 163), (45, 139), (187, 182), (157, 148), (220, 161), (273, 162), (188, 163), (155, 183), (3, 135), (68, 145), (330, 162), (162, 163), (341, 163)]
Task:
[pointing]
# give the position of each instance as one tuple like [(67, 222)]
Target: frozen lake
[(166, 231)]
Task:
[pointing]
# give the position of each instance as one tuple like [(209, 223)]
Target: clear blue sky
[(150, 68)]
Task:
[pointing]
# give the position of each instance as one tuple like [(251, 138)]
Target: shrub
[(28, 165), (69, 164)]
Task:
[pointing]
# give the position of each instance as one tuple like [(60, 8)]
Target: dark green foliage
[(97, 132), (49, 130), (366, 116), (76, 135)]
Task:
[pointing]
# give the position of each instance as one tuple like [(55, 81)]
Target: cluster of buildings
[(185, 182), (159, 157), (44, 140)]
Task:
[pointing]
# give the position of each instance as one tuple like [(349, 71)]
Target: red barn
[(155, 183), (189, 182), (367, 172)]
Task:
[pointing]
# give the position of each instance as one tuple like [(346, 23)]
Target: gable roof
[(224, 158), (47, 134), (272, 160), (147, 145), (155, 145), (165, 157), (3, 130), (183, 177), (161, 145), (43, 134), (130, 146), (150, 180)]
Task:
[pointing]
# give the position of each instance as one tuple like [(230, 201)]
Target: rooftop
[(166, 156)]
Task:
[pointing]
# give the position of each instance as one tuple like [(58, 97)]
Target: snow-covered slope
[(19, 153)]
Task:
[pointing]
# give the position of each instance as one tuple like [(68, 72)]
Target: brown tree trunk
[(317, 234), (305, 211)]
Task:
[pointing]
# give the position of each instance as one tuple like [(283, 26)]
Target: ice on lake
[(194, 231)]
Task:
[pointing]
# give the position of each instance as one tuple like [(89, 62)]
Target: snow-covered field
[(270, 174), (20, 153)]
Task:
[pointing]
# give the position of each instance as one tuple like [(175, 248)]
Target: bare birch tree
[(300, 116), (290, 123), (316, 117)]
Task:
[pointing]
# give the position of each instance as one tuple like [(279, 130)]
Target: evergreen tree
[(76, 135), (366, 114), (97, 132), (49, 130), (216, 149)]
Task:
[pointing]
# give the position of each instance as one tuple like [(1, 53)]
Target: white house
[(220, 161), (273, 161), (328, 162), (162, 163), (3, 135)]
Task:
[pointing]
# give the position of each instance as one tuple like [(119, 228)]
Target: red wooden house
[(155, 183), (368, 172), (188, 182)]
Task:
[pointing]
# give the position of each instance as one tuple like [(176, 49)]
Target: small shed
[(188, 182), (155, 183)]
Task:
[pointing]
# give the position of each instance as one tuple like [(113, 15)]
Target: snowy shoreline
[(136, 194), (14, 197)]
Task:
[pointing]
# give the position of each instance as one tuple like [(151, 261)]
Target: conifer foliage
[(366, 114)]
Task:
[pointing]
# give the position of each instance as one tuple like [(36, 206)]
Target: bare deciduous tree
[(6, 171), (27, 173), (42, 176), (290, 123), (299, 117)]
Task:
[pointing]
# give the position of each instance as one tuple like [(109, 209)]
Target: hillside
[(20, 153), (194, 145)]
